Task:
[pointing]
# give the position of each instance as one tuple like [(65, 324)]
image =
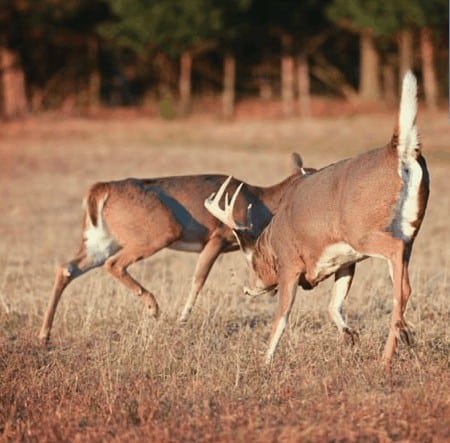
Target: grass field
[(113, 373)]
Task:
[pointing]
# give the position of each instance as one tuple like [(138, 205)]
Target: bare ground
[(114, 374)]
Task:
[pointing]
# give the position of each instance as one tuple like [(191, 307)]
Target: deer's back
[(173, 207)]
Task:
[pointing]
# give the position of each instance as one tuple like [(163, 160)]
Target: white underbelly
[(334, 257)]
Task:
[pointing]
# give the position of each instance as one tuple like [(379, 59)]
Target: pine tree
[(178, 28), (299, 28), (369, 19), (431, 17)]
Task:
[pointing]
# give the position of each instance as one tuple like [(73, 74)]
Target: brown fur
[(334, 218), (143, 216)]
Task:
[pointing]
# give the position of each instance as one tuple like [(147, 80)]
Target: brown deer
[(128, 220), (371, 205)]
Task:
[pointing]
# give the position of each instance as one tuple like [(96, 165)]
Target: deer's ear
[(297, 165), (296, 161)]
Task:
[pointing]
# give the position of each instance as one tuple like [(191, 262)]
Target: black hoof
[(405, 337), (351, 337)]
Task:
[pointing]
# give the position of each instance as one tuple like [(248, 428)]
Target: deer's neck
[(272, 195), (264, 261)]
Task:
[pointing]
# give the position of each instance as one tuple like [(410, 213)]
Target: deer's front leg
[(205, 262), (287, 288)]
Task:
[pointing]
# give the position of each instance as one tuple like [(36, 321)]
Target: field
[(112, 373)]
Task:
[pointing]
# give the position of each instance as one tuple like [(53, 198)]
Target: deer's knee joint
[(114, 268), (69, 270), (109, 264)]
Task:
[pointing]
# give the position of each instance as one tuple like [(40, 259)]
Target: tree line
[(66, 54)]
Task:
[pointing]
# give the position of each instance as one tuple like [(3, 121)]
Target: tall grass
[(112, 373)]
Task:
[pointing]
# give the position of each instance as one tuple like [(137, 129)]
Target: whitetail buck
[(129, 220), (371, 205)]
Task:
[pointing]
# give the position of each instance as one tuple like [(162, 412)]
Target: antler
[(226, 215)]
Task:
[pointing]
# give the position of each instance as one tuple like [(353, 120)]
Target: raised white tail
[(408, 142)]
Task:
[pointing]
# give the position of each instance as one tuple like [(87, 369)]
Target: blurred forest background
[(171, 57)]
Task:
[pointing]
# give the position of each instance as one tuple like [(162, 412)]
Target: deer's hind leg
[(397, 253), (118, 264), (65, 274)]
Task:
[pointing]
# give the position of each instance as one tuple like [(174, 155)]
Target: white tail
[(408, 143), (371, 205)]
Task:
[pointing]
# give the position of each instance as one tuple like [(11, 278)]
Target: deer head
[(262, 277)]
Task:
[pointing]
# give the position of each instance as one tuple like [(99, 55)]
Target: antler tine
[(219, 193), (233, 199), (224, 215), (212, 202), (229, 208)]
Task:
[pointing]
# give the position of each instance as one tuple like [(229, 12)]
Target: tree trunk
[(229, 76), (333, 77), (168, 77), (94, 74), (369, 83), (185, 82), (304, 97), (287, 85), (405, 49), (12, 84), (389, 93), (429, 74)]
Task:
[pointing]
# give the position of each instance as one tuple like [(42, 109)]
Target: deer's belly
[(334, 257)]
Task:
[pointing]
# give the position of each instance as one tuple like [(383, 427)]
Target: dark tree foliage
[(387, 17), (172, 25), (63, 44), (52, 38)]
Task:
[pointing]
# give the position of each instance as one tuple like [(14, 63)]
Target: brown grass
[(114, 374)]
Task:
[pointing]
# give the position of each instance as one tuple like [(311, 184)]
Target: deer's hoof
[(405, 336), (150, 302), (44, 340), (154, 311), (351, 337)]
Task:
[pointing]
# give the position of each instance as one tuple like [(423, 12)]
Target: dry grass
[(114, 374)]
